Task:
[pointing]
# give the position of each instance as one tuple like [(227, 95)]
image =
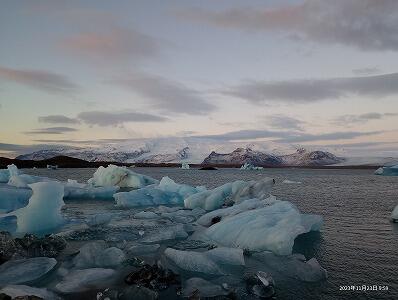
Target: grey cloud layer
[(166, 94), (58, 119), (306, 90), (362, 118), (51, 130), (103, 118), (38, 79), (284, 122), (364, 24)]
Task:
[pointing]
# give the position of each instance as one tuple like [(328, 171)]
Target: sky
[(310, 73)]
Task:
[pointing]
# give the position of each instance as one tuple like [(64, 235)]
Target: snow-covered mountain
[(301, 157)]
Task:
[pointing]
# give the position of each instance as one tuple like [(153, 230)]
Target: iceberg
[(185, 166), (394, 214), (294, 266), (12, 198), (119, 176), (233, 192), (97, 254), (43, 211), (5, 174), (212, 262), (248, 166), (89, 192), (24, 180), (25, 270), (273, 227), (83, 280), (387, 171), (287, 181), (23, 291), (167, 192)]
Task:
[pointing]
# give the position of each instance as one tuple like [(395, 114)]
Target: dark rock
[(4, 297), (29, 246), (138, 293), (260, 284), (153, 277), (27, 298), (208, 168), (215, 220)]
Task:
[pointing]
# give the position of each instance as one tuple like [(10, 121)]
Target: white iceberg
[(248, 166), (234, 192), (97, 254), (5, 174), (216, 216), (43, 211), (212, 262), (167, 192), (119, 176), (295, 266), (387, 171), (185, 166), (20, 291), (25, 270), (273, 227), (394, 214), (83, 280), (287, 181)]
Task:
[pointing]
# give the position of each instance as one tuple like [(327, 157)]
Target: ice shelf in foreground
[(213, 262), (394, 214), (273, 227), (119, 176), (234, 192), (43, 211), (167, 192), (387, 171)]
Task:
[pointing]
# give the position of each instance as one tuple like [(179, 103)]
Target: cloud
[(284, 122), (41, 80), (366, 71), (103, 118), (285, 136), (360, 119), (115, 44), (51, 130), (307, 90), (165, 94), (364, 24), (58, 119)]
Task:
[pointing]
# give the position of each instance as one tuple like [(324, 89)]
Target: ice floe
[(234, 192), (387, 171), (212, 262), (273, 227), (119, 176), (83, 280), (248, 166), (167, 192), (22, 271), (97, 254)]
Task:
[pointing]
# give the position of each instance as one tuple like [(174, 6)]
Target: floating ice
[(43, 212), (248, 166), (185, 166), (216, 216), (166, 192), (140, 249), (97, 254), (12, 198), (176, 232), (394, 214), (83, 280), (119, 176), (81, 191), (234, 192), (146, 215), (25, 270), (273, 227), (99, 219), (5, 174), (202, 288), (387, 171), (287, 181), (15, 291), (213, 262), (24, 180), (294, 266)]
